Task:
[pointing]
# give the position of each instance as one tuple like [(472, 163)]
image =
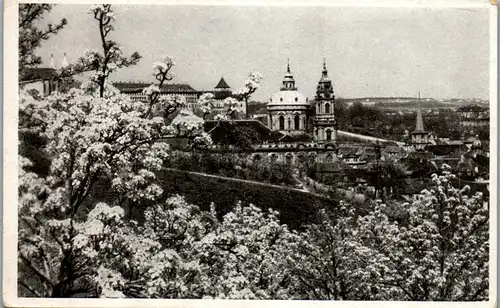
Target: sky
[(377, 52)]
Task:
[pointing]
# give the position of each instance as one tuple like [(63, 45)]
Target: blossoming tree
[(95, 135), (251, 85), (442, 253)]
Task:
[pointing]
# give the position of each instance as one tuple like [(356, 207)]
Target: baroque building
[(288, 108), (325, 125)]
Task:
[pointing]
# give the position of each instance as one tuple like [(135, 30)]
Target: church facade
[(290, 112), (308, 129)]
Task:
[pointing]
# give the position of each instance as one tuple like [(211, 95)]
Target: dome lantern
[(288, 81)]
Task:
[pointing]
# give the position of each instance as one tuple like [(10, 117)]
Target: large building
[(288, 109), (474, 116), (135, 91), (298, 131), (44, 80)]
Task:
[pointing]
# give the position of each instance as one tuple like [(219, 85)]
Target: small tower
[(288, 81), (419, 137), (64, 63), (52, 63), (325, 125)]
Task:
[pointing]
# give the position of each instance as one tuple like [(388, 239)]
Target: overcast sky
[(369, 52)]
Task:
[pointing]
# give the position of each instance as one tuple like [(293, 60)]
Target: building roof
[(296, 138), (37, 73), (132, 87), (217, 132), (288, 98), (222, 84)]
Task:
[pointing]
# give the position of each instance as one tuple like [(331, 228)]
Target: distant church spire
[(52, 61), (288, 66), (420, 122), (64, 62), (324, 64)]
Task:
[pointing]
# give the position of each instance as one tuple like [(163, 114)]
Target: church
[(290, 112), (298, 130)]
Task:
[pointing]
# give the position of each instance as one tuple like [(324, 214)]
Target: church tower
[(325, 125), (419, 137)]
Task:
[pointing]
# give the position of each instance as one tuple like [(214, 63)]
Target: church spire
[(288, 66), (420, 122), (64, 63), (324, 73), (52, 61)]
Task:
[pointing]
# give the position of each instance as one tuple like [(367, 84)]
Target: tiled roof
[(217, 132), (139, 86), (296, 138), (38, 73), (222, 84)]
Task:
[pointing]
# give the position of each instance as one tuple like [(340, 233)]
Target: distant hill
[(411, 102)]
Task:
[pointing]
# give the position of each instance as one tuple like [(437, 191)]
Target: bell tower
[(325, 125)]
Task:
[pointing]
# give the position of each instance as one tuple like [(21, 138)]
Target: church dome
[(288, 98)]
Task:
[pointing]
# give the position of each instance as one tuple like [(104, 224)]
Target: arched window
[(270, 122), (327, 108), (304, 123), (328, 134), (319, 108), (282, 122), (289, 123), (297, 122)]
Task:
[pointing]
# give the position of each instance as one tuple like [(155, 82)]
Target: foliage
[(72, 245), (30, 35), (251, 85), (233, 165), (440, 253), (92, 133)]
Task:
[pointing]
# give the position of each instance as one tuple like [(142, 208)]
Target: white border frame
[(10, 171)]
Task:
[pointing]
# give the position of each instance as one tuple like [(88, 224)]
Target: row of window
[(296, 122), (327, 108)]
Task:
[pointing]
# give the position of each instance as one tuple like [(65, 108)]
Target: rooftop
[(37, 73), (131, 87), (222, 84)]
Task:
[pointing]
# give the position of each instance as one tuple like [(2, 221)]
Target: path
[(368, 138), (244, 181)]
